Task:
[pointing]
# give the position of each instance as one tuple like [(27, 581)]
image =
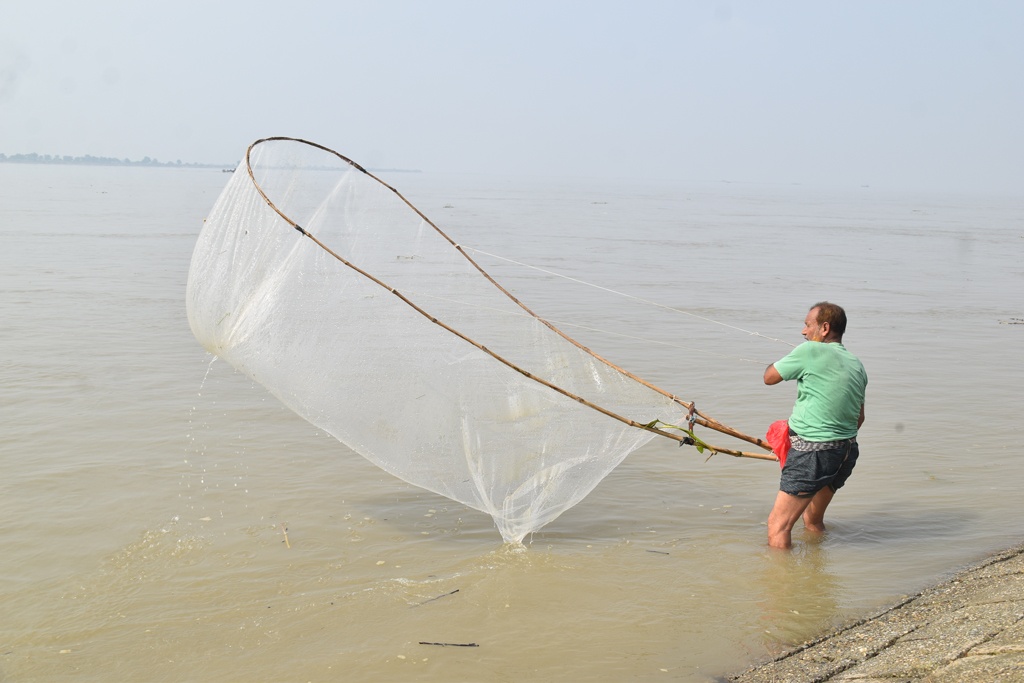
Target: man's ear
[(825, 329)]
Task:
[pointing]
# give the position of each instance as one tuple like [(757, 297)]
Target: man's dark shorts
[(807, 472)]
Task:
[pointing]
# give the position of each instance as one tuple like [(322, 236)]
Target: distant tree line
[(90, 160)]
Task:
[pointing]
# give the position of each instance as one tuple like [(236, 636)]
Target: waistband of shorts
[(799, 444)]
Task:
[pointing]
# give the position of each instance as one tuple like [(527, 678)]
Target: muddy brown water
[(147, 491)]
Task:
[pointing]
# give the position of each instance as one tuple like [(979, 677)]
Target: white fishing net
[(357, 361)]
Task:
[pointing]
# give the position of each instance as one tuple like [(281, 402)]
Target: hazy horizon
[(910, 95)]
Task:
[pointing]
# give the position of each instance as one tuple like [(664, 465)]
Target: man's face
[(812, 330)]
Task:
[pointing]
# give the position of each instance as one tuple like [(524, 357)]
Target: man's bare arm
[(772, 376), (860, 420)]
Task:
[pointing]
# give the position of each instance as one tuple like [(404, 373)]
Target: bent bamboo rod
[(703, 420)]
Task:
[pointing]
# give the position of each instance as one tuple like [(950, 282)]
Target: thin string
[(582, 327), (629, 296), (655, 341)]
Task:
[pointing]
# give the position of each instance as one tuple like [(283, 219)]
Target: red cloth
[(778, 438)]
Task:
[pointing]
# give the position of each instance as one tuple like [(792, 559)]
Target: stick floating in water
[(423, 642), (285, 532), (437, 598)]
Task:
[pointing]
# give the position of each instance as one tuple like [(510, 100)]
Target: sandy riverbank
[(969, 627)]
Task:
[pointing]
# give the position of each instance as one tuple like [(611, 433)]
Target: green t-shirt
[(830, 390)]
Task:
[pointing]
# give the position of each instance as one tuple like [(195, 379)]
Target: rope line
[(655, 341), (581, 327), (628, 296)]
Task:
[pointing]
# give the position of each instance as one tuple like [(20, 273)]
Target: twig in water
[(660, 552), (423, 642), (286, 543), (437, 598)]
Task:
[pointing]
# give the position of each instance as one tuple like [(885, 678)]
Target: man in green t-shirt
[(823, 427)]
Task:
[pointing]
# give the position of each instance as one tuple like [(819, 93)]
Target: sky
[(914, 95)]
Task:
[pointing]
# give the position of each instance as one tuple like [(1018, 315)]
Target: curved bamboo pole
[(702, 420)]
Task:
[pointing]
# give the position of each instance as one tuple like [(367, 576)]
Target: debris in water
[(285, 532), (423, 642), (437, 598)]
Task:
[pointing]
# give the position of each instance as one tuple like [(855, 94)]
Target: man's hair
[(834, 315)]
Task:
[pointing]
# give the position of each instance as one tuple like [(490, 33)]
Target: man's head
[(825, 322)]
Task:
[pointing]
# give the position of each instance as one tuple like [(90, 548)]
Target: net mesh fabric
[(352, 358)]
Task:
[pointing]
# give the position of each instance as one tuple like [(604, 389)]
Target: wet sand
[(969, 627)]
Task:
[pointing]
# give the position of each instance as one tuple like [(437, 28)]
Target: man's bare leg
[(814, 515), (782, 518)]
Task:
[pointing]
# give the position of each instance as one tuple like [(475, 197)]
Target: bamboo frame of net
[(697, 416)]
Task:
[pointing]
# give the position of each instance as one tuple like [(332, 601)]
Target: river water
[(147, 492)]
